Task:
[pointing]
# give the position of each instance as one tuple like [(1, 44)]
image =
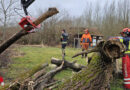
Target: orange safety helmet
[(125, 31)]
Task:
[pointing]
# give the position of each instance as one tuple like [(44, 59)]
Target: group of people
[(86, 40)]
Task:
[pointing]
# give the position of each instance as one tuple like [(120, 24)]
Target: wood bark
[(42, 79), (98, 74), (15, 37), (67, 64), (38, 81)]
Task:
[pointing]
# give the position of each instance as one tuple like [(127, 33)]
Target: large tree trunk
[(97, 75)]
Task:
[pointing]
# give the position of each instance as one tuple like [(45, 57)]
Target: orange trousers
[(85, 46)]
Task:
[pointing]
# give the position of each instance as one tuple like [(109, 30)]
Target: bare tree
[(6, 12)]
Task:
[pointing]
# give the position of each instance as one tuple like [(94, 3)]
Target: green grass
[(35, 56), (117, 84)]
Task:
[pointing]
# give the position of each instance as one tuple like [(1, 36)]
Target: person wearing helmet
[(64, 40), (125, 39), (86, 40)]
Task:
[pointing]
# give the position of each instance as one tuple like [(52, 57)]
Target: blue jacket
[(126, 41), (64, 38)]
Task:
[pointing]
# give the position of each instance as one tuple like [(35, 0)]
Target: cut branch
[(86, 52), (15, 37), (38, 81), (67, 64)]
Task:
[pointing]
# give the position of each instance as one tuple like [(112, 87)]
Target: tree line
[(110, 18)]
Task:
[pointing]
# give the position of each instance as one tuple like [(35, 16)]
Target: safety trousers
[(85, 46), (126, 70)]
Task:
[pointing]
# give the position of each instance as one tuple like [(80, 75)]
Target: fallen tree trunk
[(40, 79), (15, 37), (67, 64), (97, 75)]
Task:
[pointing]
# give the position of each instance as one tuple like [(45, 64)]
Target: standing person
[(125, 39), (64, 39), (86, 40)]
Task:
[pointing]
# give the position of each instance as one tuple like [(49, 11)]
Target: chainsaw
[(27, 20)]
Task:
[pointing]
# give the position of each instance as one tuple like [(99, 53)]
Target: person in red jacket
[(125, 39), (86, 40)]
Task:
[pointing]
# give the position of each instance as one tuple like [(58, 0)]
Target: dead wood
[(111, 48), (39, 73), (98, 74), (86, 52), (38, 81), (67, 64), (15, 37)]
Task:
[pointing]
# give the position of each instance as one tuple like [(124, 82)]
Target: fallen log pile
[(42, 79)]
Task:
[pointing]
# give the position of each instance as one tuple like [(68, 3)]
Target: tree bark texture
[(98, 74)]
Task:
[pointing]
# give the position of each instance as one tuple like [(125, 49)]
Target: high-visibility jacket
[(64, 38), (126, 62), (126, 42), (86, 38)]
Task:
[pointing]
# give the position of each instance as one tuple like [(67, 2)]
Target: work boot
[(82, 56), (85, 55)]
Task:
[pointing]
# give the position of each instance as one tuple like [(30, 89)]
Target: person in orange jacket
[(86, 40)]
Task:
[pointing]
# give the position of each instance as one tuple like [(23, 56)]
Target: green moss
[(117, 84), (83, 75)]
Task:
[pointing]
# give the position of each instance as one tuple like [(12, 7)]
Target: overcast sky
[(73, 7)]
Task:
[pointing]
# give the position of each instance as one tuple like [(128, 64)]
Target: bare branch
[(86, 52)]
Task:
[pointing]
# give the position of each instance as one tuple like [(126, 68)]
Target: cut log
[(67, 64), (97, 75), (39, 73), (28, 78), (15, 37), (38, 81)]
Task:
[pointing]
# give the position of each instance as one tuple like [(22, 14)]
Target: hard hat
[(125, 29)]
